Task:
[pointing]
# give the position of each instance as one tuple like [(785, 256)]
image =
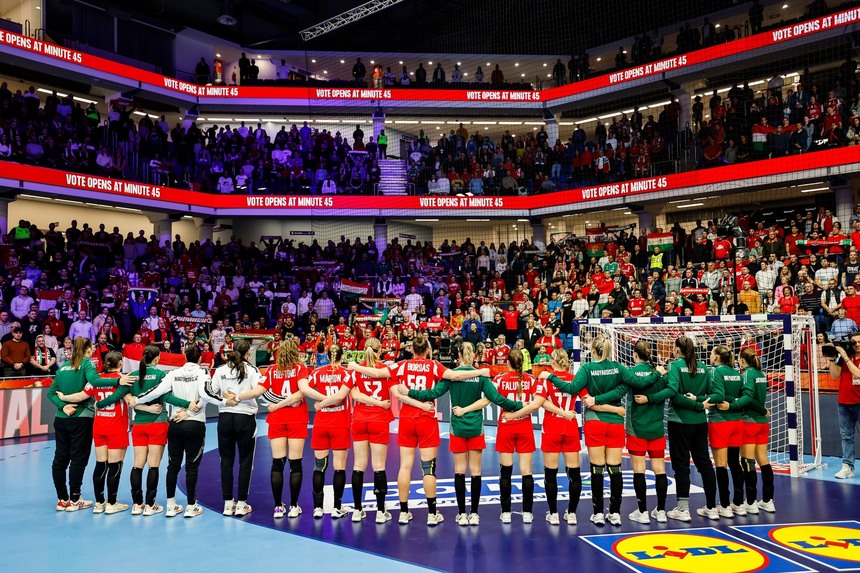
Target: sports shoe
[(242, 509), (462, 520), (279, 512), (639, 517), (173, 510), (294, 511), (152, 509), (338, 512), (474, 519), (229, 508), (738, 510), (569, 518), (434, 519), (137, 509), (767, 506), (613, 518), (598, 519), (383, 517), (358, 515), (528, 517), (659, 515), (710, 513), (725, 512), (99, 507), (117, 507), (552, 518), (751, 508), (405, 517), (845, 473), (193, 511), (318, 513), (505, 517), (679, 514), (80, 504), (62, 505)]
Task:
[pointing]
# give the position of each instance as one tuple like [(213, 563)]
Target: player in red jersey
[(418, 425), (515, 433), (371, 417), (283, 388), (329, 386)]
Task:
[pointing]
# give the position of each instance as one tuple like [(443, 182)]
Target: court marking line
[(794, 551)]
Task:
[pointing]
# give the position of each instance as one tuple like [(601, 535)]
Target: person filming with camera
[(845, 367)]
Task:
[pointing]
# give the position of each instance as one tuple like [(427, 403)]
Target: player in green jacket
[(467, 427)]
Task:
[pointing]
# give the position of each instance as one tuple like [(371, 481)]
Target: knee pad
[(320, 464), (614, 469), (295, 465), (428, 468), (597, 470), (748, 464), (506, 471), (278, 465)]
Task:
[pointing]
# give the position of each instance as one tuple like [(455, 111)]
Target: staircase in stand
[(392, 177)]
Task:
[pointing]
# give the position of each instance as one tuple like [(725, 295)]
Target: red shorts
[(113, 440), (655, 448), (459, 445), (373, 432), (420, 432), (560, 443), (289, 431), (726, 434), (330, 438), (599, 434), (516, 441), (154, 434), (755, 433)]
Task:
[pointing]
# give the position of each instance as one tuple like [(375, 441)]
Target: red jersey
[(347, 341), (328, 380), (280, 385), (111, 419), (510, 386), (511, 318), (722, 249), (531, 275), (378, 389), (553, 423), (551, 343), (498, 355), (390, 349), (636, 306), (417, 374)]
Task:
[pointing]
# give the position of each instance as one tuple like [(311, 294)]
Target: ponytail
[(752, 359), (602, 348), (335, 354), (420, 346), (688, 352), (560, 357), (79, 350), (643, 350), (467, 354), (288, 355), (372, 350), (236, 359), (725, 356), (150, 353), (515, 361)]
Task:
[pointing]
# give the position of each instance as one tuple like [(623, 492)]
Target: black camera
[(829, 350)]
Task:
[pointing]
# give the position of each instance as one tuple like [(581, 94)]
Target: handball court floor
[(37, 538)]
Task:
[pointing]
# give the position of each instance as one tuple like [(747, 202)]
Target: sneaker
[(99, 507), (434, 519), (117, 507), (598, 519), (505, 517), (405, 517), (229, 508), (613, 518), (242, 509), (318, 513), (659, 515), (552, 518), (137, 509), (193, 511), (528, 517), (751, 508), (474, 519), (462, 520), (738, 510), (152, 509), (725, 512), (845, 473), (569, 518), (80, 504), (62, 505), (679, 514), (173, 510), (639, 517), (383, 517), (358, 515), (767, 506), (279, 512), (710, 513), (338, 512), (294, 511)]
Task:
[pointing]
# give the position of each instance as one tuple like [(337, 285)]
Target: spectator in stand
[(201, 70)]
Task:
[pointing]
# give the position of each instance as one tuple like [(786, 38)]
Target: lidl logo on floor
[(834, 544)]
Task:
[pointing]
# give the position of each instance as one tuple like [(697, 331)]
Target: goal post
[(785, 343)]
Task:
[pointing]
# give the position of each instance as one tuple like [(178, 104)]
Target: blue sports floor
[(37, 538)]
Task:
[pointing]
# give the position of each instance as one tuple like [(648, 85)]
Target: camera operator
[(845, 367)]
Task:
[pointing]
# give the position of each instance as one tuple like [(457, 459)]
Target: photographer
[(845, 367)]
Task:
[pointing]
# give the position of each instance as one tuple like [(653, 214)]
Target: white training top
[(226, 379), (187, 382)]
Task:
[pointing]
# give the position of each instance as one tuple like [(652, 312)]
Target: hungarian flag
[(48, 299), (352, 289), (662, 240)]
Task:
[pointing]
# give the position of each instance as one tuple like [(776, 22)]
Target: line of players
[(736, 402)]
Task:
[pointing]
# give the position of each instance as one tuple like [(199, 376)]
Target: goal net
[(785, 344)]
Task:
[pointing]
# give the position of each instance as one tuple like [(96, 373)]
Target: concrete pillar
[(552, 130), (844, 196), (380, 235), (683, 97), (162, 227), (647, 221), (378, 122), (538, 233), (204, 229), (4, 214)]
